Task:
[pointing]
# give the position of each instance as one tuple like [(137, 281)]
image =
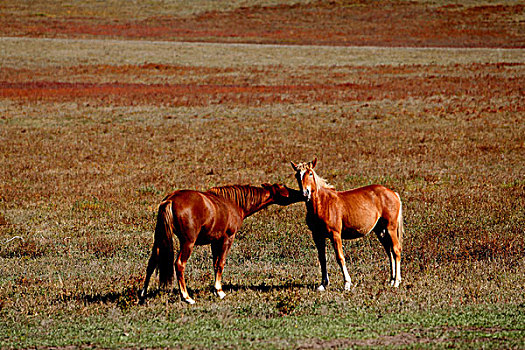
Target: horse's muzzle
[(306, 194)]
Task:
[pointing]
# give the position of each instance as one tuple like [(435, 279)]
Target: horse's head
[(306, 177), (283, 195)]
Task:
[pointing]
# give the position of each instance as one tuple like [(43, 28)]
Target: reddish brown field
[(373, 23), (202, 86)]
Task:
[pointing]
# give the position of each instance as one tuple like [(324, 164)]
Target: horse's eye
[(311, 174)]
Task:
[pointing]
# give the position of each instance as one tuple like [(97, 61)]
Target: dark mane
[(245, 196)]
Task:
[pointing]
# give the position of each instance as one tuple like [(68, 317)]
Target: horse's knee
[(180, 266), (219, 268), (340, 259), (397, 250)]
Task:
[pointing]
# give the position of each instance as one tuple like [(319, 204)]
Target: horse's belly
[(351, 234), (203, 240), (216, 232)]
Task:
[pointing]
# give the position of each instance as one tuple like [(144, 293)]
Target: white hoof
[(321, 288), (189, 300), (395, 284), (348, 286), (220, 294)]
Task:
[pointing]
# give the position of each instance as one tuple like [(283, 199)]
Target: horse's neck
[(255, 207), (255, 203), (247, 199), (317, 201)]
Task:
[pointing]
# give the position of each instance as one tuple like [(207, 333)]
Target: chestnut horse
[(349, 215), (201, 218)]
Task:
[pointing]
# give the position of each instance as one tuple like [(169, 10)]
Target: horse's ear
[(294, 166), (314, 162)]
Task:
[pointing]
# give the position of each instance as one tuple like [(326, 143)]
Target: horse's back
[(190, 209), (372, 193), (186, 200), (203, 215)]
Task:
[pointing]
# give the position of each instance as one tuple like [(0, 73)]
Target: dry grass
[(71, 52)]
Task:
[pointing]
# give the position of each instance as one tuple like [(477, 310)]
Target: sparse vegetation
[(93, 135)]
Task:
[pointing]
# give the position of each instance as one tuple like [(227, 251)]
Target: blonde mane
[(321, 183)]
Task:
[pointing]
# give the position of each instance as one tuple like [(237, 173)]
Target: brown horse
[(349, 215), (201, 218)]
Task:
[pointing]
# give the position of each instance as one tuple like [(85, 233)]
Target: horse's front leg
[(320, 244), (219, 251), (340, 257)]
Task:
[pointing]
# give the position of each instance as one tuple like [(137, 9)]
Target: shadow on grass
[(131, 295), (266, 288), (123, 298)]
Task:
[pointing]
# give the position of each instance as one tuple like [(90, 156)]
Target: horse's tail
[(400, 226), (164, 243)]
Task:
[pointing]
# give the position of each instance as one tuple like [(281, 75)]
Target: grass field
[(96, 128)]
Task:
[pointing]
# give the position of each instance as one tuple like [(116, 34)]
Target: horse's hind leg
[(384, 237), (396, 253), (219, 251), (152, 264), (387, 234), (180, 266)]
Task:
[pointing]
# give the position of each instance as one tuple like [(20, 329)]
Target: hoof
[(321, 288), (395, 283), (348, 286), (142, 296), (220, 294), (189, 300)]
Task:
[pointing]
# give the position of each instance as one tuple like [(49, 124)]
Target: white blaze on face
[(307, 191)]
